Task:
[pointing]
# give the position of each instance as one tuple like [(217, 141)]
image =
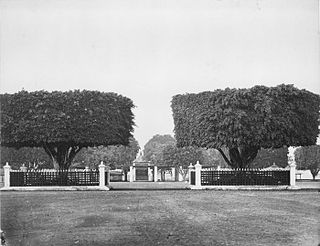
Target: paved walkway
[(149, 185), (308, 184)]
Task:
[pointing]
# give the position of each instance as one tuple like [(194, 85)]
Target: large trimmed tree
[(245, 120), (65, 122)]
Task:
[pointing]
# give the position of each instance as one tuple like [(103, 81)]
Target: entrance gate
[(142, 174)]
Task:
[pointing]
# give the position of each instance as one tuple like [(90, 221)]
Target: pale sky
[(151, 50)]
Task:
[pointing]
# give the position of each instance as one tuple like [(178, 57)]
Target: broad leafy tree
[(65, 122), (308, 157), (245, 120), (153, 148), (117, 156), (212, 157), (181, 157)]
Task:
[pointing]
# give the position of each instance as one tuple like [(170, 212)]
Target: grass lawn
[(175, 217)]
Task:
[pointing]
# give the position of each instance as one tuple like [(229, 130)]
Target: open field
[(170, 217)]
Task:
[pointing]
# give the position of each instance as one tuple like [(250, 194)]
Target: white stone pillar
[(149, 173), (190, 167), (131, 174), (102, 170), (134, 173), (155, 170), (173, 174), (198, 174), (293, 175), (292, 165), (6, 170)]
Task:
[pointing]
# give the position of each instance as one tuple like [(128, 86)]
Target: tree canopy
[(154, 147), (116, 156), (176, 157), (31, 157), (64, 122), (245, 120)]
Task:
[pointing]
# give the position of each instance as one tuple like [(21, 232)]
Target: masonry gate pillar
[(155, 173), (6, 169), (173, 174), (198, 174)]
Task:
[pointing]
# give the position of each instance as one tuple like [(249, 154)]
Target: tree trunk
[(314, 173), (240, 157), (163, 175), (55, 164), (176, 172), (61, 155)]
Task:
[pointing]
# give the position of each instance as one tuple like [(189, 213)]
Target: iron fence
[(244, 177), (54, 178)]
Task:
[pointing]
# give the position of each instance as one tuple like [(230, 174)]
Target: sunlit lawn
[(168, 217)]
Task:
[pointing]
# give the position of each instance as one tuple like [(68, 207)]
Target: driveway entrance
[(142, 174), (149, 185)]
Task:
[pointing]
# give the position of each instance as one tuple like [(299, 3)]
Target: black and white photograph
[(160, 122)]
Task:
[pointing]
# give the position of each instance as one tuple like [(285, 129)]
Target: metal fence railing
[(54, 178), (202, 177), (245, 177)]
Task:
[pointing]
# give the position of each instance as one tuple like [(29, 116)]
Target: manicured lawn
[(171, 217)]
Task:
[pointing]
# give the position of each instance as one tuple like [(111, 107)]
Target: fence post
[(131, 174), (292, 165), (190, 167), (6, 169), (198, 174), (155, 170), (173, 173), (292, 174), (102, 180), (149, 173)]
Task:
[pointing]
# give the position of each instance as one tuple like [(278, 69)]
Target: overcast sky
[(150, 50)]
